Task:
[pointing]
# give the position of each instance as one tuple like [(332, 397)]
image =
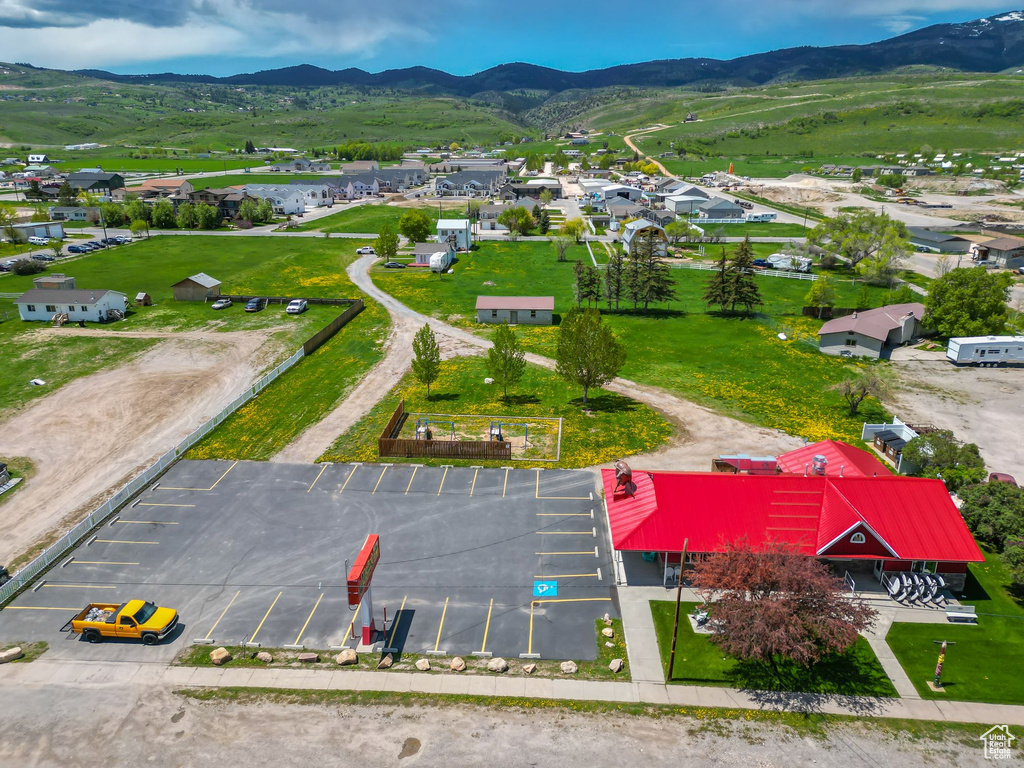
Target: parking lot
[(506, 562)]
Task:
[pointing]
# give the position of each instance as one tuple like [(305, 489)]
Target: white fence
[(766, 272), (70, 539)]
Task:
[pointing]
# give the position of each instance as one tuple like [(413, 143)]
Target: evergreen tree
[(716, 292), (649, 279), (613, 279), (66, 196), (426, 365), (742, 284), (506, 361)]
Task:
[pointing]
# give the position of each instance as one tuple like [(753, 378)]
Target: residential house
[(662, 218), (634, 231), (519, 191), (515, 310), (285, 200), (620, 209), (227, 201), (720, 211), (152, 189), (873, 332), (79, 304), (474, 183), (39, 171), (489, 213), (100, 183), (74, 213), (1006, 252), (38, 159), (360, 166), (302, 165), (469, 164), (458, 232)]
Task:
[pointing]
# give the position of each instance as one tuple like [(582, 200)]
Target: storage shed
[(143, 299), (198, 287), (528, 310)]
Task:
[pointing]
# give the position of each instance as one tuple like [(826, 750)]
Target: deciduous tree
[(562, 245), (386, 244), (207, 216), (940, 454), (516, 220), (994, 512), (415, 225), (773, 603), (136, 210), (822, 294), (859, 236), (186, 217), (857, 389), (506, 361), (139, 227), (588, 354), (574, 228), (426, 362), (969, 302)]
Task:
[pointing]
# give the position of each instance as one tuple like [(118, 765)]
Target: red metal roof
[(851, 461), (912, 518), (515, 302)]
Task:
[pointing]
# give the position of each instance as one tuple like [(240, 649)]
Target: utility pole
[(675, 623)]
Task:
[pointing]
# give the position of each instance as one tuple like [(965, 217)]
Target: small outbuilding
[(515, 310), (143, 299), (199, 287)]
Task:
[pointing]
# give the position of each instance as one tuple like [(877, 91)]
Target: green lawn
[(370, 218), (857, 672), (733, 364), (756, 229), (612, 426), (17, 466), (249, 265), (984, 665), (239, 179)]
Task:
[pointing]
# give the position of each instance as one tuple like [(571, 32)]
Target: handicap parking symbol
[(545, 588)]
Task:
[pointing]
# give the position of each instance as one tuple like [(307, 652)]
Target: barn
[(199, 287)]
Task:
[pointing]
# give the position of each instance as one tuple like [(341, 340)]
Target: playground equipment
[(498, 435), (423, 431)]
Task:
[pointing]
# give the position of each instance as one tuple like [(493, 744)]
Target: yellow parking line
[(587, 552), (155, 504), (505, 486), (144, 522), (535, 603), (353, 622), (99, 562), (253, 638), (437, 642), (442, 481), (536, 493), (222, 476), (171, 488), (317, 478), (354, 468), (473, 486), (414, 470), (122, 541), (38, 608), (78, 586), (394, 624), (230, 602), (487, 627), (308, 619), (377, 485)]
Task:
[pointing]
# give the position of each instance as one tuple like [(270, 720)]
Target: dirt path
[(628, 139), (90, 436), (703, 434)]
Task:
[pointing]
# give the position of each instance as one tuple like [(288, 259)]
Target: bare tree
[(857, 389), (943, 264), (562, 245)]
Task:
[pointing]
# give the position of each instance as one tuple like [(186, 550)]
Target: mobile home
[(986, 350)]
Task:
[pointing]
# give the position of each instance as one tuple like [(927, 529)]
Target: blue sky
[(459, 36)]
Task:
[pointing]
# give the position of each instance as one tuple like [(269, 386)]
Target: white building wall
[(75, 312)]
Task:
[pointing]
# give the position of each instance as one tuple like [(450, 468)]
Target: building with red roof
[(857, 522), (828, 457)]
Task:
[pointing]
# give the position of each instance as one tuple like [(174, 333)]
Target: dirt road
[(90, 436), (703, 434), (56, 726)]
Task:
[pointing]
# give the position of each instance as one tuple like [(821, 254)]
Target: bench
[(962, 613)]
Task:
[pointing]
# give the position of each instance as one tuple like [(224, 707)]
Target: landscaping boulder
[(609, 644), (498, 665), (347, 658), (616, 665), (568, 667), (423, 665), (220, 656), (265, 657), (457, 665), (607, 620), (529, 668), (309, 658), (608, 632), (386, 662), (11, 654)]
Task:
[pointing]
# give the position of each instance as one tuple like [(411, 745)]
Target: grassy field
[(369, 218), (17, 466), (736, 365), (612, 426), (982, 664), (756, 229), (857, 672), (254, 265), (239, 179)]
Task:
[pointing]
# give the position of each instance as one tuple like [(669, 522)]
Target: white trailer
[(986, 350), (755, 217), (440, 261)]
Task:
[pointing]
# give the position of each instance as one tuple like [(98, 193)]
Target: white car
[(296, 307), (221, 304), (365, 249), (37, 241)]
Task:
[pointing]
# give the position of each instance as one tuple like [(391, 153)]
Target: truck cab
[(134, 620)]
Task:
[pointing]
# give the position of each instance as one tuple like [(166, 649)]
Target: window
[(858, 538), (494, 313), (51, 308), (533, 313), (851, 342), (84, 309), (71, 308), (31, 308)]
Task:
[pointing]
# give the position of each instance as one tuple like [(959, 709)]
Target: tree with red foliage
[(773, 603)]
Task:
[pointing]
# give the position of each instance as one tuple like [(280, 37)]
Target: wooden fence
[(321, 336), (388, 445)]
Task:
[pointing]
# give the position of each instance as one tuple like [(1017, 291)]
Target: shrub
[(28, 267)]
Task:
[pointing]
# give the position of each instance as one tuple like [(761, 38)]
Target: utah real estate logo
[(998, 742)]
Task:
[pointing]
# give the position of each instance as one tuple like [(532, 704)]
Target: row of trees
[(640, 278), (733, 284)]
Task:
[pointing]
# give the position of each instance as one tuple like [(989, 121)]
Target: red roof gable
[(913, 519), (841, 457)]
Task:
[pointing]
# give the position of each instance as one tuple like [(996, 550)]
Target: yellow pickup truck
[(136, 619)]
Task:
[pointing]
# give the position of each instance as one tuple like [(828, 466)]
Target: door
[(513, 317), (126, 627)]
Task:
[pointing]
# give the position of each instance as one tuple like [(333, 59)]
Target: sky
[(220, 37)]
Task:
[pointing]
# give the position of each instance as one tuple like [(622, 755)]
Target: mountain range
[(992, 44)]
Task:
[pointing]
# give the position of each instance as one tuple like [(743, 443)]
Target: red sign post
[(359, 578)]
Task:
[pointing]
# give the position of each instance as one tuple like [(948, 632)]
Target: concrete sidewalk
[(87, 674)]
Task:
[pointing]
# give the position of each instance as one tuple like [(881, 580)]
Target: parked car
[(365, 249), (221, 304), (77, 249), (43, 257), (37, 240), (255, 305), (1001, 477), (762, 263), (296, 307), (394, 265), (96, 244)]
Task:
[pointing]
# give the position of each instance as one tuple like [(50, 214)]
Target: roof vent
[(818, 464)]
